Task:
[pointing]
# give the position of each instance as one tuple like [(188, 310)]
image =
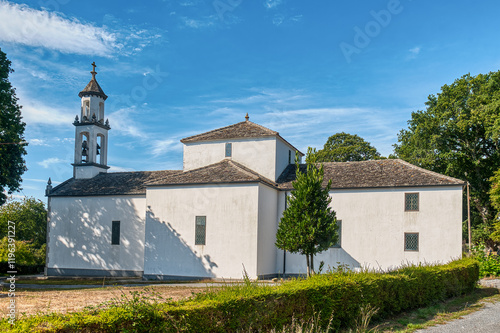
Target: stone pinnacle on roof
[(247, 117), (93, 87)]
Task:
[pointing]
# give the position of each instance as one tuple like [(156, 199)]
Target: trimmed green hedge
[(335, 297)]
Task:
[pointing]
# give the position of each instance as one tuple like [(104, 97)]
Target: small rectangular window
[(411, 241), (289, 157), (228, 149), (200, 230), (339, 230), (411, 202), (115, 233)]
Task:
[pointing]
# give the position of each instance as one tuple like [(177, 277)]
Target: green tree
[(308, 225), (12, 164), (30, 219), (495, 202), (344, 147), (457, 135)]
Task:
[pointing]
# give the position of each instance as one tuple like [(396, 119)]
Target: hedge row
[(336, 297)]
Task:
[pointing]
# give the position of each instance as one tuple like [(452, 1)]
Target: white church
[(220, 213)]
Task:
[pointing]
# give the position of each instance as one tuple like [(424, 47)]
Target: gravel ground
[(486, 320)]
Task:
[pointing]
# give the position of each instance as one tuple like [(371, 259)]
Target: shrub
[(489, 263), (336, 300)]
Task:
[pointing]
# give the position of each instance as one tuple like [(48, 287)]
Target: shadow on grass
[(438, 313)]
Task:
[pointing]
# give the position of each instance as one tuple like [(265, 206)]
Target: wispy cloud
[(161, 147), (205, 22), (21, 24), (47, 163), (415, 50), (35, 113), (122, 121), (272, 3)]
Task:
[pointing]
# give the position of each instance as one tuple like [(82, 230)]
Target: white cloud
[(23, 25), (272, 3), (38, 142), (38, 113), (206, 22), (161, 147), (123, 123), (51, 161), (415, 50)]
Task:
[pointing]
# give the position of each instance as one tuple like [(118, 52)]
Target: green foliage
[(489, 262), (30, 219), (337, 300), (457, 135), (308, 225), (495, 202), (344, 147), (12, 164), (25, 254)]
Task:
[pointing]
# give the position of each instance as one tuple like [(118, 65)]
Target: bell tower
[(91, 132)]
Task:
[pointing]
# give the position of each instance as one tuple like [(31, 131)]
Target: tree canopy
[(29, 217), (12, 164), (345, 147), (308, 225), (457, 135)]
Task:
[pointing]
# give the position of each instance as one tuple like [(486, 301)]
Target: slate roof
[(93, 88), (113, 183), (226, 171), (372, 174), (241, 130)]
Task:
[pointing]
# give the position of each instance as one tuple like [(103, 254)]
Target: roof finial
[(247, 117), (93, 70)]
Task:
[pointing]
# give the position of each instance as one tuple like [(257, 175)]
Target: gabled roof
[(115, 183), (224, 172), (372, 174), (241, 130)]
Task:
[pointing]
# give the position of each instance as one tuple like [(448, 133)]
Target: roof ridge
[(230, 126), (425, 170), (214, 130)]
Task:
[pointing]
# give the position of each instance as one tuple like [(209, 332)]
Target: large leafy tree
[(308, 225), (30, 219), (457, 135), (12, 164), (345, 147)]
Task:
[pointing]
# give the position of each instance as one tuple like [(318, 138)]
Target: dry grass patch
[(31, 302)]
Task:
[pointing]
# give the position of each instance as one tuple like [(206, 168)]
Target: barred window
[(228, 149), (411, 241), (411, 202), (200, 230), (115, 233), (339, 231)]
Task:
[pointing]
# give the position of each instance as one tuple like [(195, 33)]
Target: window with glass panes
[(411, 202), (411, 241), (200, 230)]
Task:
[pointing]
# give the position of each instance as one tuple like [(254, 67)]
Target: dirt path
[(30, 302)]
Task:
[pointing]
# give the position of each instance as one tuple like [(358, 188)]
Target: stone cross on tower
[(93, 70)]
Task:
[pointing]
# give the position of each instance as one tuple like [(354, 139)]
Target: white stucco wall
[(231, 231), (80, 233), (374, 223), (258, 154), (268, 224), (282, 151)]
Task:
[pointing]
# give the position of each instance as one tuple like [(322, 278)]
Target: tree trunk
[(308, 267), (312, 265)]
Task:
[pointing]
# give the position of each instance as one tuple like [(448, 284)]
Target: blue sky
[(172, 69)]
